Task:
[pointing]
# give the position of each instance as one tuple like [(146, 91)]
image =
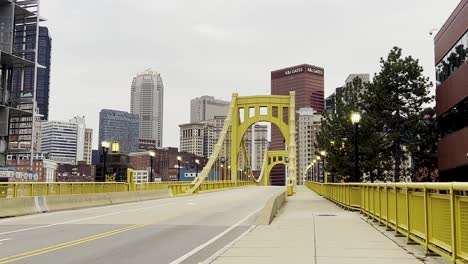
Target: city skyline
[(220, 42)]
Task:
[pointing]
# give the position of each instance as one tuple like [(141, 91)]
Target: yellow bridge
[(434, 215)]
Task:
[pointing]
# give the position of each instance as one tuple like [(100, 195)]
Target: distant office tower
[(147, 99), (205, 108), (80, 122), (308, 126), (363, 76), (256, 144), (43, 73), (308, 83), (197, 138), (88, 146), (59, 139), (330, 100), (119, 126)]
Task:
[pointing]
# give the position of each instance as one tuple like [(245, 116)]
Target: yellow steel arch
[(271, 159), (243, 113)]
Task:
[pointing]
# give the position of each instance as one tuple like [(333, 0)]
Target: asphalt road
[(174, 230)]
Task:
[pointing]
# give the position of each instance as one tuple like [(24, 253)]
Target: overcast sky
[(215, 47)]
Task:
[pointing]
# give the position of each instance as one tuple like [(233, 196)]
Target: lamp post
[(323, 153), (229, 169), (151, 154), (197, 162), (179, 158), (105, 148), (355, 119)]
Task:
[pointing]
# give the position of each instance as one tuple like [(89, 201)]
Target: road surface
[(175, 230)]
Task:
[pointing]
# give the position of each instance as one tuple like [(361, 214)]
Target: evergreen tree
[(394, 101)]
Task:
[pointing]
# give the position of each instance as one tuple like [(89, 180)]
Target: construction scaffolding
[(19, 28)]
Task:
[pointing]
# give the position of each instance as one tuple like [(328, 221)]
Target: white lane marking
[(4, 240), (221, 251), (80, 219), (209, 242)]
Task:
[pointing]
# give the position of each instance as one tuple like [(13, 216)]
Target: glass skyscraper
[(119, 126)]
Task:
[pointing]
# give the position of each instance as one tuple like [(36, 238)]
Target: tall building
[(59, 139), (308, 126), (80, 122), (308, 83), (19, 24), (197, 138), (147, 101), (43, 73), (119, 126), (363, 76), (260, 145), (330, 100), (205, 108), (451, 54), (88, 146)]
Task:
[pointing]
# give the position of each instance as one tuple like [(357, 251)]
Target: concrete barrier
[(271, 208), (39, 204), (76, 201), (18, 206)]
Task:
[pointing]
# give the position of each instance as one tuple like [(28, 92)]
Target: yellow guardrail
[(25, 189), (434, 215)]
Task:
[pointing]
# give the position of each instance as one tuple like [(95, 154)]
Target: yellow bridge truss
[(245, 111)]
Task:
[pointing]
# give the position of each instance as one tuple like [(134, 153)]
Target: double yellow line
[(66, 245)]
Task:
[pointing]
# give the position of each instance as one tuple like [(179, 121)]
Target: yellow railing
[(25, 189), (434, 215)]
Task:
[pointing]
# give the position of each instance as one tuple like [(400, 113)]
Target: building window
[(452, 60)]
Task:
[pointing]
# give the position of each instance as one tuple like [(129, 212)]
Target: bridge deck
[(310, 229)]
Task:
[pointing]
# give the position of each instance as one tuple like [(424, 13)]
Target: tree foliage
[(391, 129)]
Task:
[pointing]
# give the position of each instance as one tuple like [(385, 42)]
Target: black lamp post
[(151, 154), (105, 148), (179, 158), (355, 119)]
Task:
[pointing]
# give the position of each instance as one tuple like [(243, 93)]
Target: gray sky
[(216, 47)]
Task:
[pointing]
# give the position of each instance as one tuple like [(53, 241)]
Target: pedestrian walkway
[(310, 229)]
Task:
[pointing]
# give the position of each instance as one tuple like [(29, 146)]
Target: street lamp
[(197, 162), (179, 158), (355, 119), (323, 153), (151, 154), (105, 147)]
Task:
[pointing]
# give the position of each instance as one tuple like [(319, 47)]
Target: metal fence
[(27, 189), (434, 215)]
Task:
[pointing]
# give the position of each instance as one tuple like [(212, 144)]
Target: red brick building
[(308, 83), (81, 172), (43, 170), (165, 162), (451, 56)]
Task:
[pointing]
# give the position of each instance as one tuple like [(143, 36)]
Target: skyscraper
[(88, 146), (308, 83), (308, 126), (119, 126), (43, 73), (147, 101), (205, 108)]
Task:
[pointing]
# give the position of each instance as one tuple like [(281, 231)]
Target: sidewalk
[(310, 229)]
